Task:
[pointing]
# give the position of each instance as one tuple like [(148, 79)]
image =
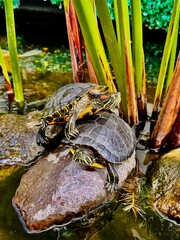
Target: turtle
[(105, 138), (75, 101)]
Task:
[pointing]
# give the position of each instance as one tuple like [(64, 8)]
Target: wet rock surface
[(18, 138), (57, 190), (165, 185)]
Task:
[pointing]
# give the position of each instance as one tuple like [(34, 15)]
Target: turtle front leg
[(112, 178), (79, 111), (41, 137), (70, 128)]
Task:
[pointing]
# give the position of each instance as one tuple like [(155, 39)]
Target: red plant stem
[(169, 111), (175, 134), (74, 43), (91, 72), (9, 91), (142, 97), (131, 97)]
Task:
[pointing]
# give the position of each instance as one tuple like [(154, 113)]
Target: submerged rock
[(57, 190), (18, 138), (165, 185)]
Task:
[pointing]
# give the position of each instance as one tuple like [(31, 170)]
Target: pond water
[(112, 222)]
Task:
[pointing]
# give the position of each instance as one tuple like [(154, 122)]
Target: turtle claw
[(112, 178), (111, 187), (41, 138), (115, 111), (72, 134)]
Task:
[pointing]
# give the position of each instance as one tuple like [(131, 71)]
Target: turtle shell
[(108, 134), (66, 96)]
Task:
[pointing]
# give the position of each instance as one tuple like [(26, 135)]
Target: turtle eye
[(104, 96)]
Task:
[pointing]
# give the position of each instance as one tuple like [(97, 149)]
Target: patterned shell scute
[(66, 95), (108, 134)]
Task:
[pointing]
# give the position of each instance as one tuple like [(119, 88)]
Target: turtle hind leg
[(41, 138), (112, 178)]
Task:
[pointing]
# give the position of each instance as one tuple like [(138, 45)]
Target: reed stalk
[(12, 45), (93, 42), (6, 76), (75, 43), (172, 59), (113, 48), (138, 58), (166, 55), (3, 66), (91, 72), (169, 112), (126, 60)]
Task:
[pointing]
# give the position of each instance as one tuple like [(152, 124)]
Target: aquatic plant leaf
[(126, 59), (75, 42), (169, 112), (3, 66), (113, 49), (11, 35), (138, 58), (166, 55), (93, 42)]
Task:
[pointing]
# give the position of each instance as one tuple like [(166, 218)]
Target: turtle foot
[(111, 187), (72, 134), (42, 140)]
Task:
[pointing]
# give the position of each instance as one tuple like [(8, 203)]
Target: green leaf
[(12, 45), (93, 41)]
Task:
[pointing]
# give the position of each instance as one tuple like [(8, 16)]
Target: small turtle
[(105, 137), (72, 102)]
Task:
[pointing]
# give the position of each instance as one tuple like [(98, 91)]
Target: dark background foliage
[(156, 13)]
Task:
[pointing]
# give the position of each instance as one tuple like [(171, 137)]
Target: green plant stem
[(3, 65), (93, 42), (11, 36), (113, 48), (126, 61), (172, 59), (137, 42), (166, 54), (138, 58)]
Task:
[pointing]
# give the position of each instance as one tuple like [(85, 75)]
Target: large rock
[(18, 138), (57, 190), (165, 185)]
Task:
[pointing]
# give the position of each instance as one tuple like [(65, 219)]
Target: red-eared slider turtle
[(103, 136), (72, 102)]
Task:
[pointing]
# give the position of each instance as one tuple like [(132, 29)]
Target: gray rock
[(57, 190), (18, 138)]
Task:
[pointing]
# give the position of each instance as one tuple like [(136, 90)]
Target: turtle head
[(108, 101), (84, 155)]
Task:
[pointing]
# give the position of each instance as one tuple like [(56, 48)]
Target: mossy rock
[(165, 185)]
